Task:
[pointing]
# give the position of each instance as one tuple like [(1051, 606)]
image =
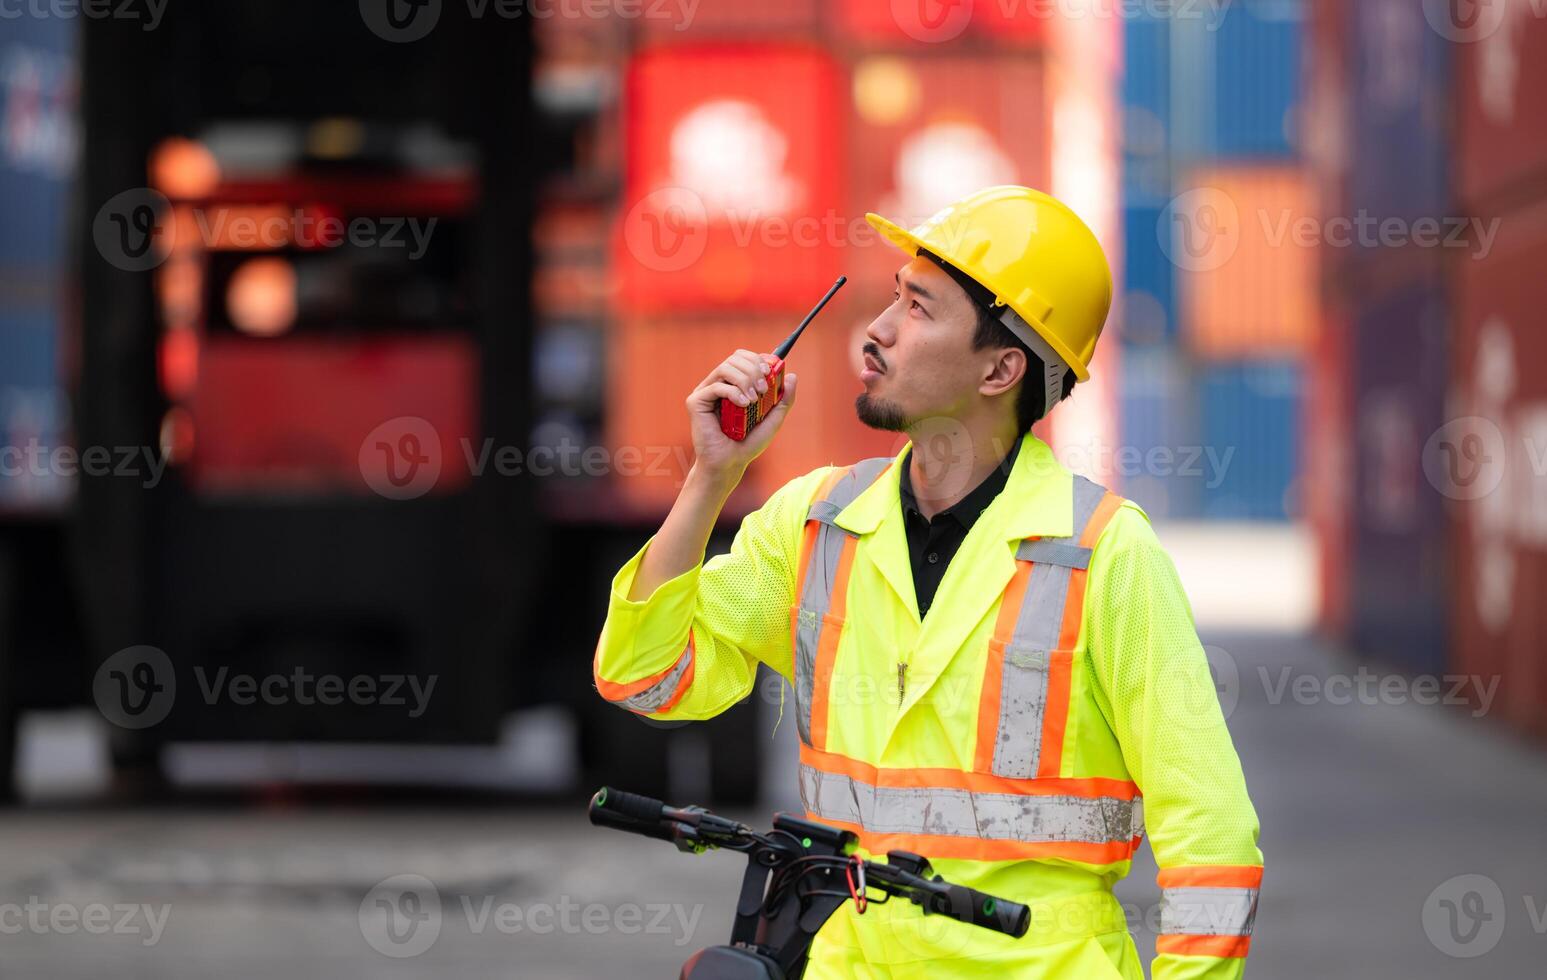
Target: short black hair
[(1029, 409)]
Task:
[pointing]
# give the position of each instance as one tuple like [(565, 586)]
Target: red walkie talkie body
[(738, 420)]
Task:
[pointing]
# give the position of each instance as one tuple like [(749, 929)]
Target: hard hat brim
[(911, 243)]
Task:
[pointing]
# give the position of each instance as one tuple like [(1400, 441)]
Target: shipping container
[(1501, 114), (38, 149), (1159, 462), (1328, 460), (1398, 562), (697, 19), (1249, 415), (925, 132), (1146, 111), (1148, 309), (1256, 80), (654, 363), (1245, 244), (1398, 122), (915, 23), (734, 157), (1490, 461)]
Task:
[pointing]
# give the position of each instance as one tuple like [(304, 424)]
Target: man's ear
[(1005, 371)]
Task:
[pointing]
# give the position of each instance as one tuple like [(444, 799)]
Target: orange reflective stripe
[(1211, 876), (1055, 718), (827, 651), (975, 849), (1225, 947), (1091, 787), (808, 540), (993, 674), (618, 692)]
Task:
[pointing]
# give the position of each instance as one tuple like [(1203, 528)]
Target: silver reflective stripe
[(657, 694), (962, 813), (816, 594), (1024, 675), (1049, 551), (1207, 911)]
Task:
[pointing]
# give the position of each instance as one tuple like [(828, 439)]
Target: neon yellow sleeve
[(690, 649), (1161, 701)]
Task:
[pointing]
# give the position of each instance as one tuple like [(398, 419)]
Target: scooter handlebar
[(972, 906)]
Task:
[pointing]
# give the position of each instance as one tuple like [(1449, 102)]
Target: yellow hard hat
[(1042, 264)]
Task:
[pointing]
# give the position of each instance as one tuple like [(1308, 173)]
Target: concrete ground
[(1403, 840)]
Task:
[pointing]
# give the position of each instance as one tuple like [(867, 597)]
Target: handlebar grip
[(631, 812), (630, 805), (969, 905)]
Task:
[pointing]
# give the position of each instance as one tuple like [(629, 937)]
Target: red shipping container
[(928, 131), (1502, 117), (734, 163), (924, 22), (1491, 461), (695, 19)]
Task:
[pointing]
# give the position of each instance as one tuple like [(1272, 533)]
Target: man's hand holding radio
[(720, 461), (741, 378)]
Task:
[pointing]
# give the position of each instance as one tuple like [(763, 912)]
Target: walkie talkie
[(738, 420)]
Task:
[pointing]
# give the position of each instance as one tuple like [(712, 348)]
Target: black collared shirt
[(933, 543)]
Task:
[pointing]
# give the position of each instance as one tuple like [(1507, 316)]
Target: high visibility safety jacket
[(1052, 708)]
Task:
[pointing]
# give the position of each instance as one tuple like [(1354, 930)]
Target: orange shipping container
[(1245, 245), (653, 364)]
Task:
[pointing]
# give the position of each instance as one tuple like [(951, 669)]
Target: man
[(992, 659)]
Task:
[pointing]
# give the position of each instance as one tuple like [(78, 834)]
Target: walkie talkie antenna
[(783, 350)]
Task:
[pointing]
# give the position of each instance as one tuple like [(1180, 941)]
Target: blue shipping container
[(38, 147), (1146, 119), (1154, 464), (1256, 79), (1250, 419), (1149, 281)]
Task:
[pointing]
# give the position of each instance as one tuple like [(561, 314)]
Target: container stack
[(1215, 301), (1428, 423), (893, 112)]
